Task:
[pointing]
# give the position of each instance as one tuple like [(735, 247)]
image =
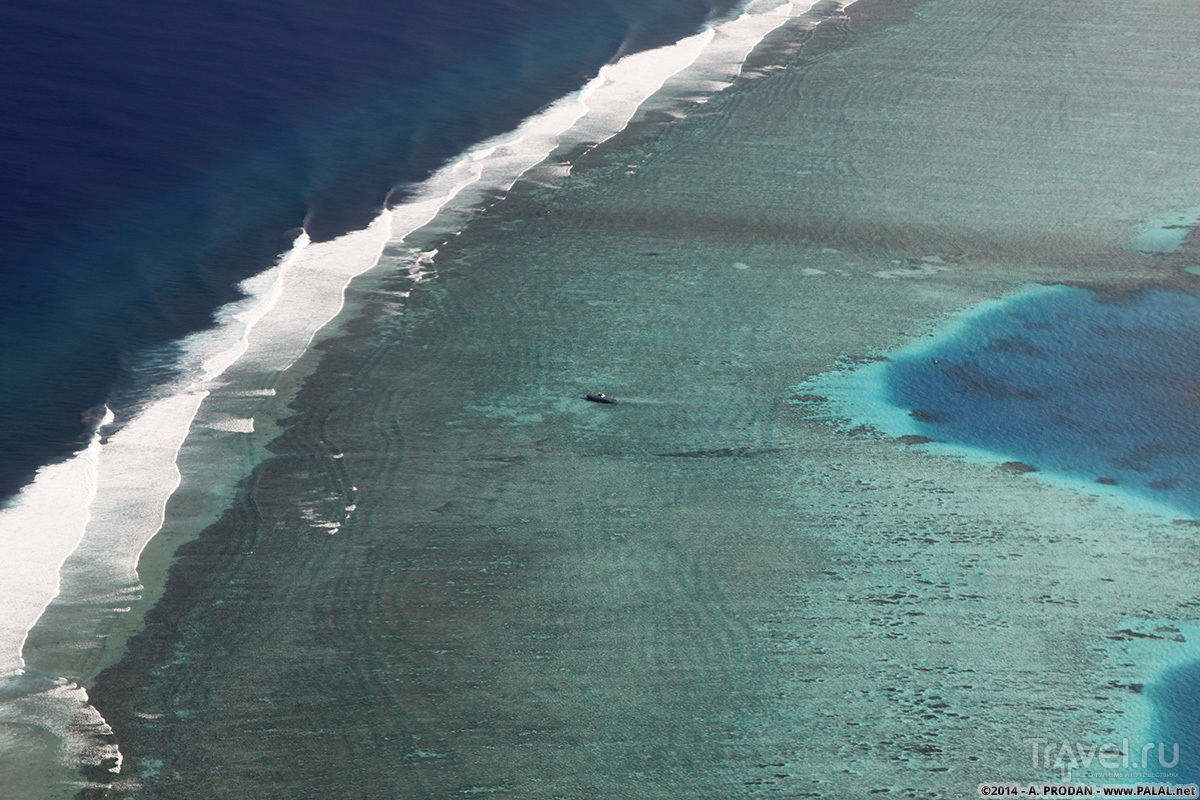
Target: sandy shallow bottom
[(456, 577)]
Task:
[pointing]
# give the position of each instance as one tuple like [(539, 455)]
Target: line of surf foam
[(37, 533), (87, 521), (603, 107), (51, 721), (723, 50)]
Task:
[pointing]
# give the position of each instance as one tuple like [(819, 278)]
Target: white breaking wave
[(37, 531), (53, 718), (81, 526)]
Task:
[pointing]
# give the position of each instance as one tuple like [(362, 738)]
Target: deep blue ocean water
[(1106, 389), (152, 156)]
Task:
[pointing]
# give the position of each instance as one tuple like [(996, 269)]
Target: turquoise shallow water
[(698, 591)]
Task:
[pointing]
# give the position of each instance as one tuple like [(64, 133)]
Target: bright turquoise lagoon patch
[(1168, 234)]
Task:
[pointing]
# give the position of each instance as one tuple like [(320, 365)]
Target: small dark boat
[(599, 397)]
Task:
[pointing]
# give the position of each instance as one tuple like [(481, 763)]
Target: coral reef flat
[(454, 575)]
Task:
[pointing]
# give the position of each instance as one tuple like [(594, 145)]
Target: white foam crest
[(82, 525), (311, 293), (247, 393), (737, 38), (615, 95), (38, 712), (137, 474), (436, 193), (89, 520), (599, 110), (39, 529), (263, 293), (708, 61), (232, 424)]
